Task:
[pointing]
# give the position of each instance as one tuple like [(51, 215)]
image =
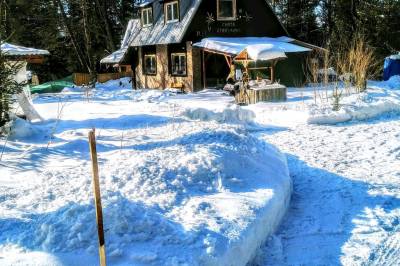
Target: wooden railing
[(84, 78)]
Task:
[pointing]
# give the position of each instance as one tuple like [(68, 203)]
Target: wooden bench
[(178, 85)]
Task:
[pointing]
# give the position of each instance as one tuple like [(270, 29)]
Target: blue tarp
[(391, 68)]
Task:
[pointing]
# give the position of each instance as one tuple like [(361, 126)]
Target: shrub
[(8, 86)]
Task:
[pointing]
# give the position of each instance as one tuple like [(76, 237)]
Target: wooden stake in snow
[(97, 197)]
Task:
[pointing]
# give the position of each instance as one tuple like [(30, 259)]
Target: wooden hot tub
[(260, 92)]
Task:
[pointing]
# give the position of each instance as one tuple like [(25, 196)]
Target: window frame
[(234, 7), (180, 55), (145, 70), (147, 10), (172, 3)]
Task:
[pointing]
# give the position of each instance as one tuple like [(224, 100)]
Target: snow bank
[(379, 98), (19, 128), (230, 114), (211, 196), (151, 95), (392, 83), (175, 191)]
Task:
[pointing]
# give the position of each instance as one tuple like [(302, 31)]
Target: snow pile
[(392, 83), (379, 98), (357, 107), (211, 196), (18, 129), (230, 114), (175, 191), (395, 56), (151, 95)]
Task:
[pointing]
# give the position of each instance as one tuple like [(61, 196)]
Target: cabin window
[(150, 64), (226, 9), (147, 16), (178, 64), (171, 12)]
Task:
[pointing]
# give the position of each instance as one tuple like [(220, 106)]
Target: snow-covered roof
[(166, 33), (258, 48), (145, 3), (131, 31), (16, 50), (395, 56), (264, 52), (115, 57)]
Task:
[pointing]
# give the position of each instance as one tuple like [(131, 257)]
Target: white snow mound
[(230, 114), (19, 128), (209, 194), (379, 98)]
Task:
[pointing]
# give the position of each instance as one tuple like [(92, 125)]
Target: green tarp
[(53, 86)]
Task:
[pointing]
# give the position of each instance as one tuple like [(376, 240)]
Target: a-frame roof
[(167, 33)]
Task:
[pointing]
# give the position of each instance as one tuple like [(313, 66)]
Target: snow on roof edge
[(16, 50), (266, 46)]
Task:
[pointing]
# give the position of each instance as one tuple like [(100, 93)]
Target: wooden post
[(273, 71), (97, 197)]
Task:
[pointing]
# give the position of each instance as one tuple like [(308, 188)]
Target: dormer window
[(226, 10), (171, 11), (147, 17)]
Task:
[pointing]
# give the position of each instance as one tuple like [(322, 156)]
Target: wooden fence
[(84, 78)]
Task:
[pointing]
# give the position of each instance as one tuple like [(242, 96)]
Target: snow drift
[(230, 114), (379, 98), (175, 191)]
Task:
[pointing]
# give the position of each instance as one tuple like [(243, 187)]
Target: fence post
[(97, 197)]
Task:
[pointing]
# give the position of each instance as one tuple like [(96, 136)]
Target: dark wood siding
[(254, 18)]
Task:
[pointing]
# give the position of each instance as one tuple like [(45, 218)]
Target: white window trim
[(172, 62), (155, 64), (165, 12), (147, 11), (234, 18)]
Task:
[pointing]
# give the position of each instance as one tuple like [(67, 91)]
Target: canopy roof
[(257, 48), (15, 50)]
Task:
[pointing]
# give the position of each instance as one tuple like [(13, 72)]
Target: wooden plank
[(97, 197), (216, 52), (228, 61), (203, 62)]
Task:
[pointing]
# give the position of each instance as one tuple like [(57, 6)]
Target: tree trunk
[(79, 53), (102, 12)]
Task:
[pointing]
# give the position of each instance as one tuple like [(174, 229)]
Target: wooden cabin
[(160, 43)]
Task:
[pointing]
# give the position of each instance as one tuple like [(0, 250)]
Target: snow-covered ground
[(193, 179), (175, 191), (346, 203)]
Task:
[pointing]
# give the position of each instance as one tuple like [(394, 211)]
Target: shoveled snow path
[(346, 203)]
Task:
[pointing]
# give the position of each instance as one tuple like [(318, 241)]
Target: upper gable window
[(226, 9), (171, 12), (147, 16)]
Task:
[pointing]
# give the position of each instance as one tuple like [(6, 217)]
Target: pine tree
[(8, 69), (8, 86)]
